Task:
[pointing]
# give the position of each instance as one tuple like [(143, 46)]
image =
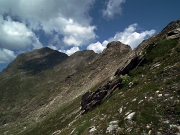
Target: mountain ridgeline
[(119, 91), (36, 61)]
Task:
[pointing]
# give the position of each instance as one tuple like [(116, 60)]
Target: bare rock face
[(91, 99), (117, 46), (172, 30), (170, 27), (174, 34), (130, 65)]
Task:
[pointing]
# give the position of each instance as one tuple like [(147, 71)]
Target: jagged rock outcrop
[(116, 47), (170, 27), (174, 34), (91, 99), (130, 65)]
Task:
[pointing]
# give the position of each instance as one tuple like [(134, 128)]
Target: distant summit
[(118, 46), (36, 61)]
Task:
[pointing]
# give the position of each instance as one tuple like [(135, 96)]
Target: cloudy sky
[(72, 25)]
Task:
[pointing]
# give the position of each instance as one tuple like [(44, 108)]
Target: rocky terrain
[(119, 91)]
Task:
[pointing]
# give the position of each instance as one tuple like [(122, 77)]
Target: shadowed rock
[(130, 65), (174, 34), (91, 99)]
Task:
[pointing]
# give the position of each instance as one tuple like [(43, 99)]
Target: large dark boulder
[(91, 99)]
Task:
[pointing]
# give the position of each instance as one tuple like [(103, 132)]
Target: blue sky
[(72, 25)]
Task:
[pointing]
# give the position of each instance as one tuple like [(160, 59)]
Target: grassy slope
[(154, 97), (33, 94)]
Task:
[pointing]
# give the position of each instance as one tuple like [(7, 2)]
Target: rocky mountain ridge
[(34, 62), (121, 91), (38, 93)]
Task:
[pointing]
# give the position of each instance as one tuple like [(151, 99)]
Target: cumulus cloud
[(76, 34), (70, 51), (6, 55), (15, 35), (129, 36), (113, 8), (66, 22), (97, 47), (45, 9), (67, 18)]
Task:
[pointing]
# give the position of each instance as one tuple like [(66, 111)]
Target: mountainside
[(34, 62), (31, 93), (119, 91)]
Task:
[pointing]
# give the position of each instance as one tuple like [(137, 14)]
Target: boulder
[(174, 34), (91, 99)]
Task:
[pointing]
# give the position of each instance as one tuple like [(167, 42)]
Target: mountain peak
[(37, 53), (170, 27), (117, 46), (35, 61)]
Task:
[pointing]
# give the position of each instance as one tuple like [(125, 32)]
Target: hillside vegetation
[(146, 99)]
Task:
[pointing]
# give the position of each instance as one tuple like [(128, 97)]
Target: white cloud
[(15, 35), (68, 19), (77, 34), (35, 43), (129, 36), (70, 51), (97, 47), (66, 22), (71, 41), (45, 9), (6, 55), (113, 8), (74, 33)]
